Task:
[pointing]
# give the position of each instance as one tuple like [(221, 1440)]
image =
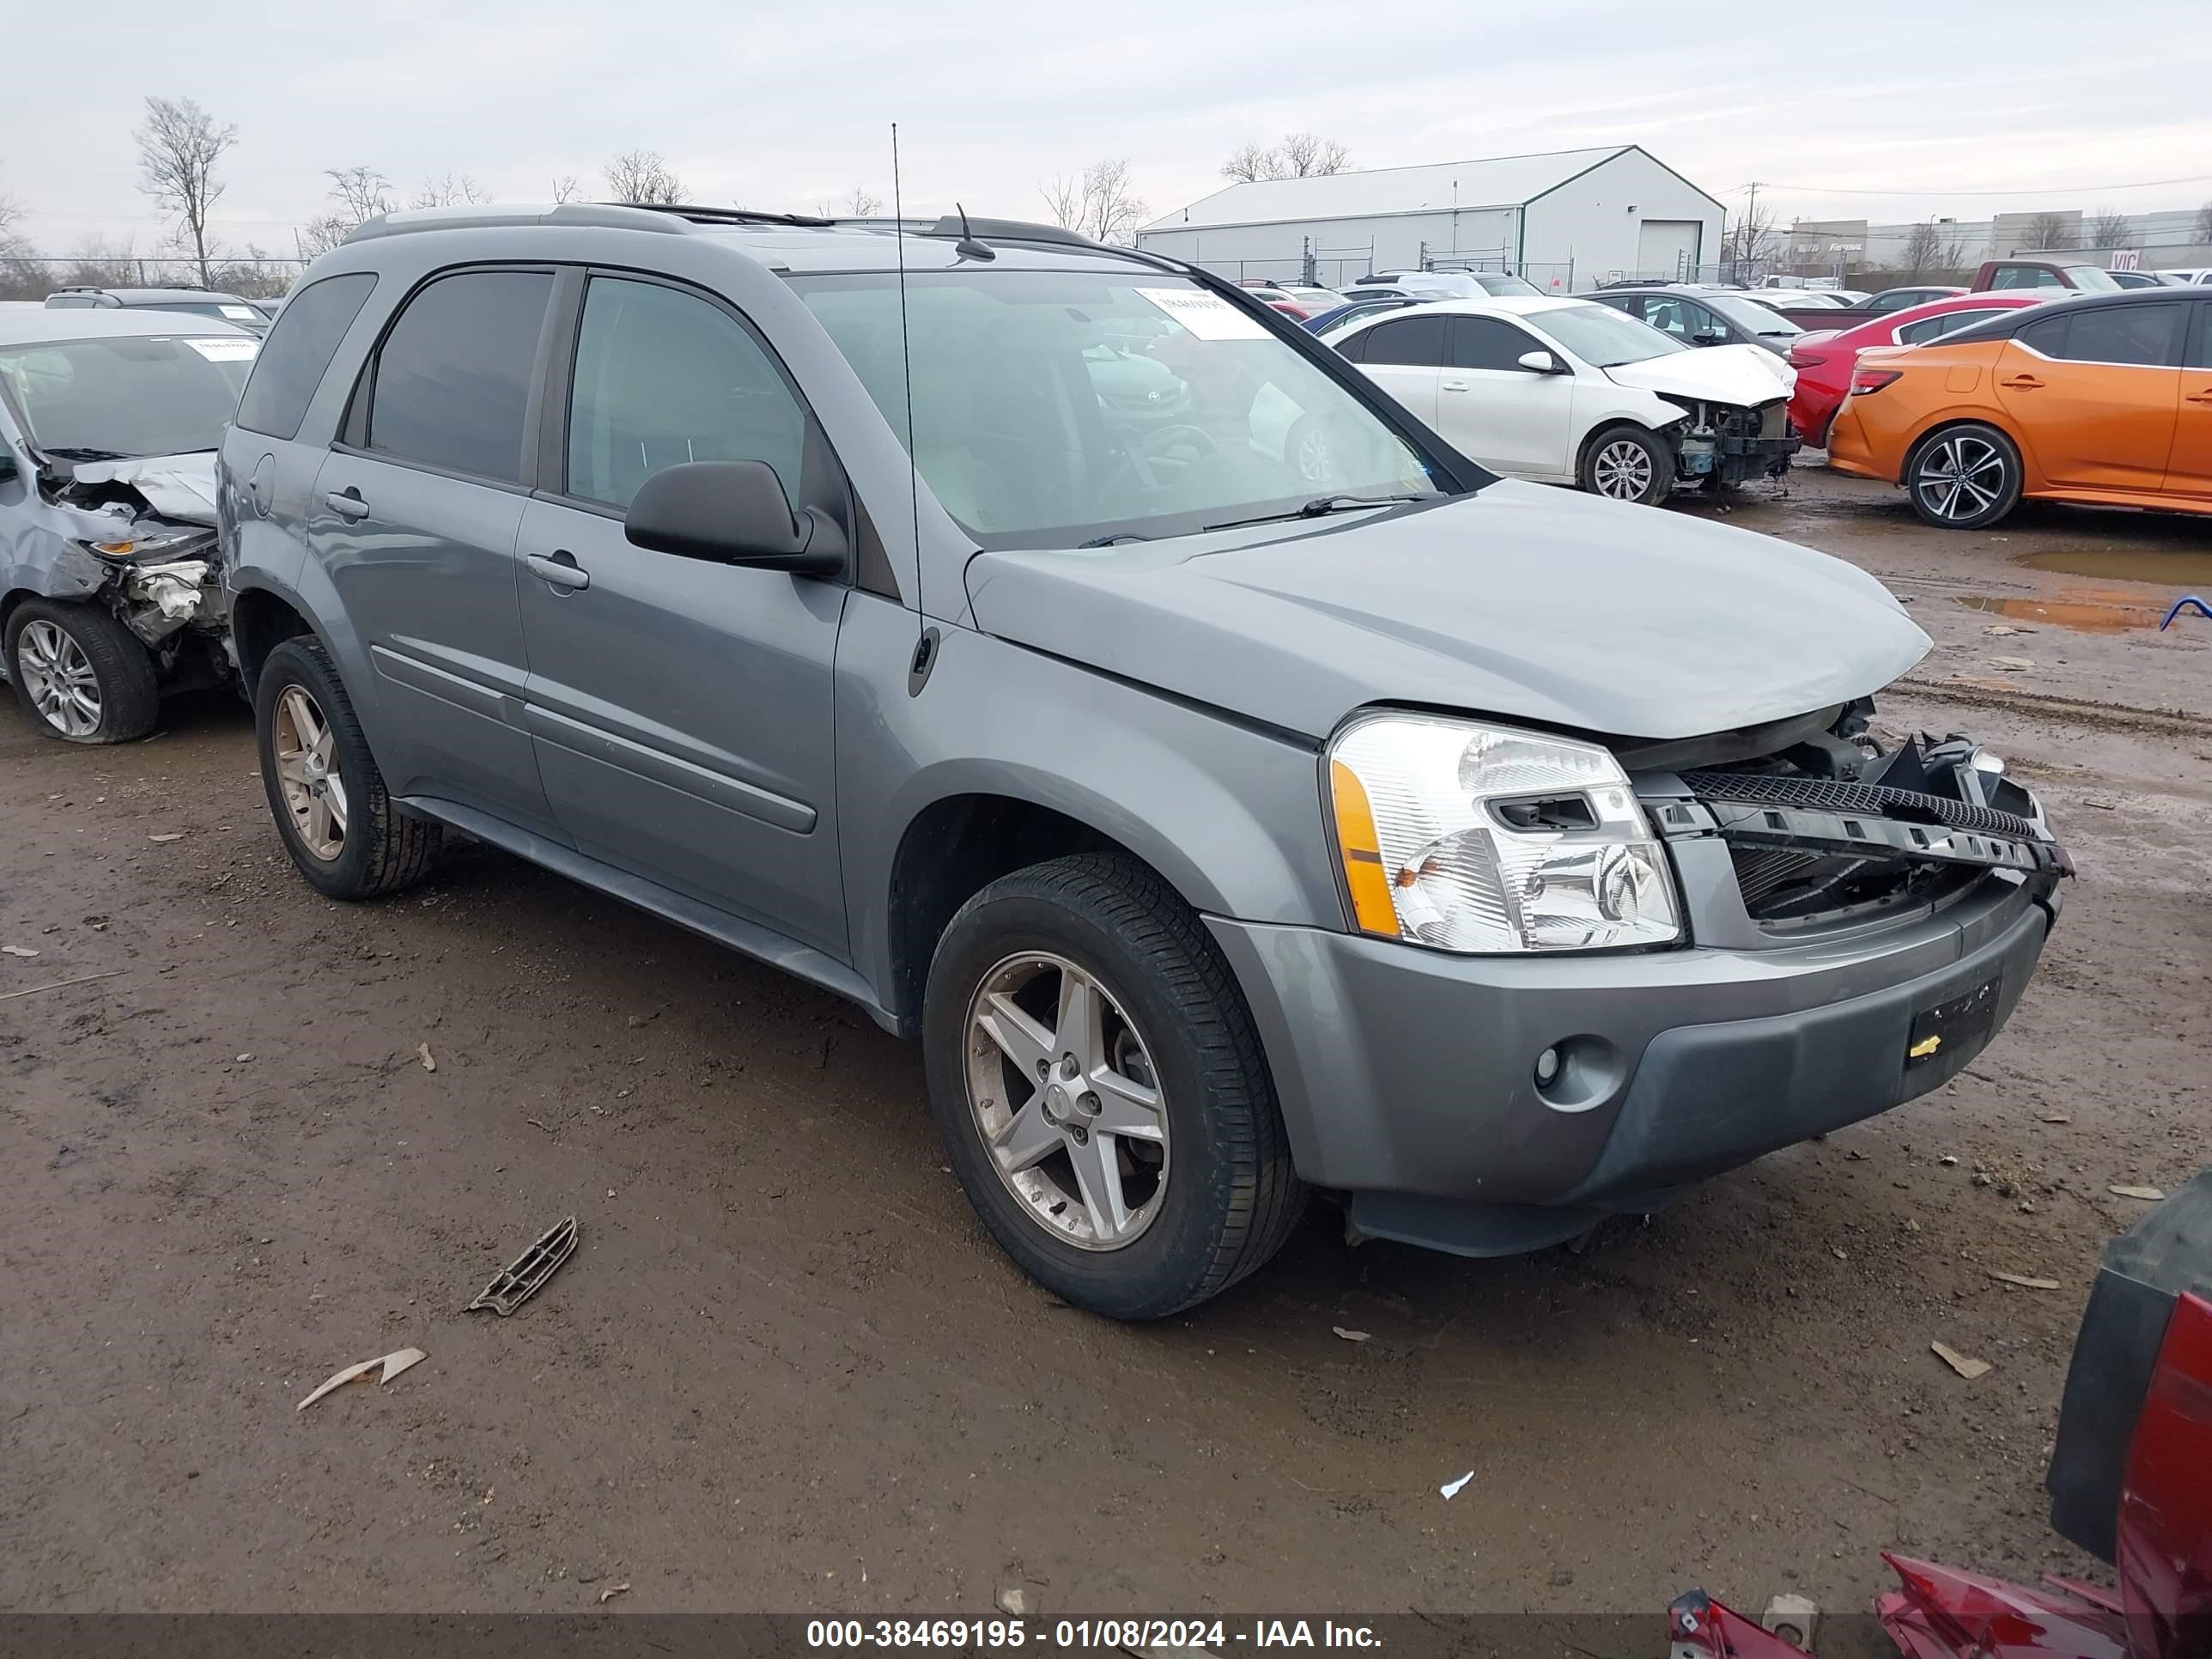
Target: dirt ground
[(786, 1370)]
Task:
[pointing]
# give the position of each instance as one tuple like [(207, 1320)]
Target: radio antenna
[(906, 366)]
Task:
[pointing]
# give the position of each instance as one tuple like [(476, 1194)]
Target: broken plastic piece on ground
[(2024, 1281), (1699, 1628), (15, 950), (1450, 1489), (178, 835), (397, 1361), (1969, 1368), (60, 984), (1792, 1617), (2149, 1195), (1349, 1336), (423, 1054), (516, 1285), (613, 1590), (1943, 1613), (2203, 610)]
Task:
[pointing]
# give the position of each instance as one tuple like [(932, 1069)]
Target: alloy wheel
[(59, 678), (1960, 477), (1313, 460), (307, 772), (1064, 1094), (1623, 470)]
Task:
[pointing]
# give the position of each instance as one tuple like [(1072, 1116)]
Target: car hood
[(180, 487), (1723, 373), (1517, 600)]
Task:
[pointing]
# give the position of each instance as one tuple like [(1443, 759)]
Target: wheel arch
[(958, 844)]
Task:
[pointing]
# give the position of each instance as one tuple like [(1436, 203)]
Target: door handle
[(2203, 397), (1455, 386), (347, 504), (559, 571), (2022, 383)]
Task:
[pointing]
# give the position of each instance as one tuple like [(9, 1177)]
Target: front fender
[(1229, 813)]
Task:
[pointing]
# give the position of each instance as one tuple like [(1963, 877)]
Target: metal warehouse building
[(1566, 220)]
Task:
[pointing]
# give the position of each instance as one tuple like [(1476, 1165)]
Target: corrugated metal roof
[(1501, 181)]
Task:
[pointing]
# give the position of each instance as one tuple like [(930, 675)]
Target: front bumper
[(1407, 1076)]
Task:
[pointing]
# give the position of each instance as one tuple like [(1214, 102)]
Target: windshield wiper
[(1320, 506), (1108, 541)]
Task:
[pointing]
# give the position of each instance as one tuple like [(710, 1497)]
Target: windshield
[(1602, 337), (133, 394), (1053, 409), (1749, 315), (1513, 285), (2091, 280)]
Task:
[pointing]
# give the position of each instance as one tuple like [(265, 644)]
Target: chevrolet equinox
[(951, 614)]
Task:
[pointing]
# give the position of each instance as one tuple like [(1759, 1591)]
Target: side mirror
[(732, 513), (1710, 336), (1540, 363)]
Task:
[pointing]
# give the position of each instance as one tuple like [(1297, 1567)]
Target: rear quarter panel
[(1937, 384)]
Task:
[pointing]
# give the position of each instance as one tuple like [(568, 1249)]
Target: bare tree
[(1063, 199), (454, 190), (2110, 229), (1300, 155), (1309, 155), (1100, 203), (1252, 163), (359, 192), (566, 188), (178, 145), (1749, 237), (2204, 223), (863, 203), (95, 262), (642, 176), (360, 195), (2048, 230), (1923, 249)]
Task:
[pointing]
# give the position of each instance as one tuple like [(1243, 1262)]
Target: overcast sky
[(1911, 104)]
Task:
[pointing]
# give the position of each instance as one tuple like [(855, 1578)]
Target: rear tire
[(1628, 464), (332, 812), (81, 675), (1203, 1187), (1964, 478)]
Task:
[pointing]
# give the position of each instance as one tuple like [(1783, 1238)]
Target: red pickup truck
[(2000, 275)]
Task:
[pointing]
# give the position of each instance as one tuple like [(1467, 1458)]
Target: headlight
[(151, 542), (1486, 840)]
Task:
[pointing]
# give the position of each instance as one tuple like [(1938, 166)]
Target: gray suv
[(1492, 858)]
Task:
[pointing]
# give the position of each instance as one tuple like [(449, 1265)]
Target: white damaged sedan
[(1566, 392)]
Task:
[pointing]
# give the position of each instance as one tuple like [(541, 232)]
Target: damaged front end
[(1827, 826), (1725, 443), (138, 539)]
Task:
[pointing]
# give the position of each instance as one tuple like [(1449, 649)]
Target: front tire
[(1101, 1090), (1628, 464), (81, 675), (1964, 478), (332, 812)]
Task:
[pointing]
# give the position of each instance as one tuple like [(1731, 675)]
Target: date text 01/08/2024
[(981, 1634)]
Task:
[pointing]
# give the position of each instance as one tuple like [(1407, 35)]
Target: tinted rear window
[(453, 378), (1413, 342), (298, 350)]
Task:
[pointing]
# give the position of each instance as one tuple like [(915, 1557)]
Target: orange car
[(2106, 399)]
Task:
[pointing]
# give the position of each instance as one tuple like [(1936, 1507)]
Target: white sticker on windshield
[(243, 313), (1206, 316), (225, 351)]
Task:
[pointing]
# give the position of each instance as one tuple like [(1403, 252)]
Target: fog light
[(1547, 1067)]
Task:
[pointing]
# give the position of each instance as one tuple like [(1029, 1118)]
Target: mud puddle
[(2188, 571), (2092, 610)]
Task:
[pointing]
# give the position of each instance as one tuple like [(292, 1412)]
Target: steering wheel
[(1153, 446)]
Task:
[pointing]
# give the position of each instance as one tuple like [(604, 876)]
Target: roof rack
[(721, 216)]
